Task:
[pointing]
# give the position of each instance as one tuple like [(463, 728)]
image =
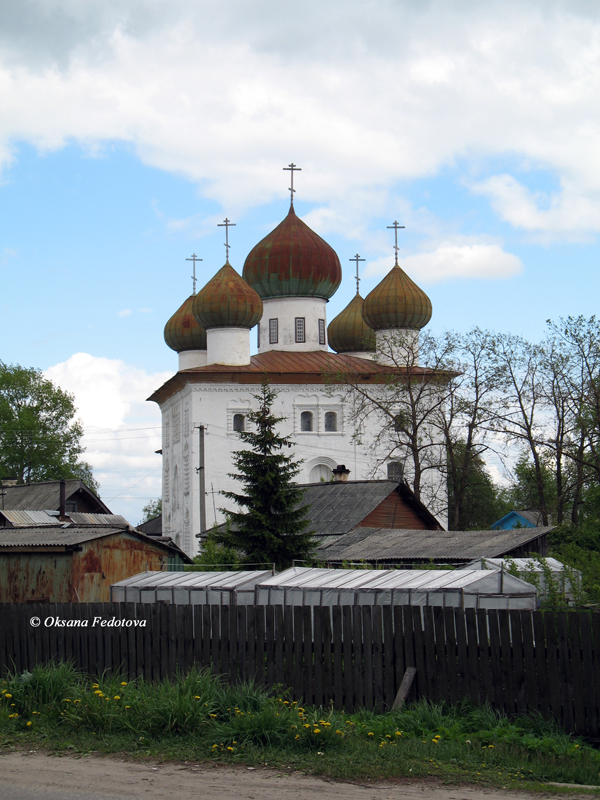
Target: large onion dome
[(293, 261), (348, 332), (396, 302), (227, 302), (182, 331)]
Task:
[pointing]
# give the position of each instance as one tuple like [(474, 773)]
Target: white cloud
[(452, 260), (122, 430), (360, 96), (125, 312), (570, 210)]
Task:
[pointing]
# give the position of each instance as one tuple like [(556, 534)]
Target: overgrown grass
[(197, 718)]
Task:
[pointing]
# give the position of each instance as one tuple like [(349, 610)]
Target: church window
[(300, 329), (399, 422), (306, 421), (239, 423), (395, 471), (320, 473), (258, 335), (331, 421), (273, 331), (321, 331)]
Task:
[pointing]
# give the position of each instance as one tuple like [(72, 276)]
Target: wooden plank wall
[(353, 656)]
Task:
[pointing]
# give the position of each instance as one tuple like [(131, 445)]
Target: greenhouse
[(463, 588), (189, 588), (538, 570)]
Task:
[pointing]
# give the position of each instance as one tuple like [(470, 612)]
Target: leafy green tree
[(271, 526), (481, 502), (151, 510), (39, 438), (215, 557)]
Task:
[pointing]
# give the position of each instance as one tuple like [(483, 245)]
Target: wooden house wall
[(393, 512)]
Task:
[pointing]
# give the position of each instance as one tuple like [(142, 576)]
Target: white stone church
[(282, 293)]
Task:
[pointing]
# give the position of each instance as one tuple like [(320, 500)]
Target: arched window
[(321, 472), (395, 471), (239, 422), (331, 421), (306, 421)]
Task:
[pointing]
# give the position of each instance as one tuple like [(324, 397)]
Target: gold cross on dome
[(396, 228), (226, 224), (194, 258), (292, 168), (356, 258)]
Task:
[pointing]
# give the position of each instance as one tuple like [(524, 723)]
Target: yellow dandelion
[(230, 749), (117, 697), (297, 736), (196, 697), (126, 707), (317, 730), (213, 716), (370, 733), (29, 723), (123, 683), (8, 695)]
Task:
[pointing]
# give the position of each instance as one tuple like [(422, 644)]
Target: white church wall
[(230, 346), (188, 359), (285, 310), (215, 406)]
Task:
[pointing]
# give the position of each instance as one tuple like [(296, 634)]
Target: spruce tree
[(271, 526)]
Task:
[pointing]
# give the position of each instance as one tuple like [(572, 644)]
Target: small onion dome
[(182, 332), (227, 302), (397, 302), (293, 261), (348, 332)]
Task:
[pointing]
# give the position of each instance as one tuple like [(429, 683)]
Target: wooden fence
[(351, 656)]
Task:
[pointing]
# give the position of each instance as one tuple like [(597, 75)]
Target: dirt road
[(32, 776)]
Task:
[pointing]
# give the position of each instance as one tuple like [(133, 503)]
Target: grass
[(198, 718)]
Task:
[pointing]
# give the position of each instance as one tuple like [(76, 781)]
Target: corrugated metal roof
[(380, 544), (73, 535), (53, 537), (81, 518), (28, 518), (338, 507), (45, 496), (151, 528)]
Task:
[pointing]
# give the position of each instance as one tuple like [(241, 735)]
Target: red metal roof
[(283, 367)]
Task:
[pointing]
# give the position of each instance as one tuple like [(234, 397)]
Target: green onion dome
[(182, 332), (397, 302), (227, 302), (348, 332), (293, 261)]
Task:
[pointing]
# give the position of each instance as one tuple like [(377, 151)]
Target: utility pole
[(202, 479)]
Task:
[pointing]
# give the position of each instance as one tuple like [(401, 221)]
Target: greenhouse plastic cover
[(195, 588), (468, 588), (520, 563)]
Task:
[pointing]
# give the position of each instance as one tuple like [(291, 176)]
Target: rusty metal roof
[(183, 331), (24, 519), (396, 302), (45, 496), (83, 518), (391, 544), (293, 261), (227, 301), (348, 332), (287, 368)]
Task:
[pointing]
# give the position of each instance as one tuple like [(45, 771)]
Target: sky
[(130, 128)]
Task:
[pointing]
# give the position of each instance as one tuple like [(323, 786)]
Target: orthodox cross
[(226, 224), (291, 168), (194, 258), (356, 258), (396, 228)]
